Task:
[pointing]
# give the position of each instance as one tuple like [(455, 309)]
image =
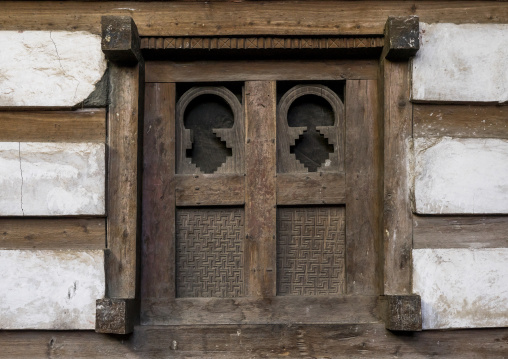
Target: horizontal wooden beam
[(460, 232), (157, 71), (51, 233), (276, 310), (468, 121), (53, 126), (115, 316), (311, 188), (210, 190)]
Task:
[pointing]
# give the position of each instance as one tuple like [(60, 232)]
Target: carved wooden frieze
[(209, 131), (310, 130)]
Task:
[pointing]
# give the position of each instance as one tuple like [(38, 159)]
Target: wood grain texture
[(363, 203), (311, 188), (115, 316), (210, 190), (182, 18), (402, 312), (460, 232), (157, 71), (53, 126), (468, 121), (158, 232), (125, 115), (398, 226), (260, 183), (47, 233), (277, 310)]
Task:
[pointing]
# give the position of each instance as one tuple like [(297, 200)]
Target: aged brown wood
[(260, 193), (468, 121), (277, 310), (398, 225), (402, 312), (158, 243), (53, 126), (311, 188), (120, 40), (115, 316), (401, 38), (183, 18), (363, 187), (53, 233), (157, 71), (460, 232), (210, 190)]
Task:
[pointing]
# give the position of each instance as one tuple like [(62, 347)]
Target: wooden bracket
[(402, 312), (115, 315), (401, 38), (120, 40)]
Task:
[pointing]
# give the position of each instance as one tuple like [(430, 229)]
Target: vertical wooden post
[(120, 43), (260, 192)]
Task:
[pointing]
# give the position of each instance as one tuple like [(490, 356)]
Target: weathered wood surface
[(245, 18), (157, 71), (276, 310), (468, 121), (460, 232), (210, 190), (115, 316), (402, 312), (158, 230), (53, 126), (311, 188), (363, 187), (401, 38), (120, 40), (47, 233), (261, 187), (397, 229), (124, 116)]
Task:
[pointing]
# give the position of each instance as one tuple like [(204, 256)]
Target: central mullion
[(260, 193)]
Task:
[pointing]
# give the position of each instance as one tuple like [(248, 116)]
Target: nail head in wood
[(120, 40), (115, 315), (403, 312), (401, 38)]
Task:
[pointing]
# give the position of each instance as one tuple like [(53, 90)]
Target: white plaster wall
[(48, 289), (461, 175), (462, 288), (49, 68), (466, 62), (39, 179)]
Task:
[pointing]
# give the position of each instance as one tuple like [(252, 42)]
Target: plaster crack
[(21, 170), (61, 67)]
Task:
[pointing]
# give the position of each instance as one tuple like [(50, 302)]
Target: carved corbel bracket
[(401, 38), (402, 312), (120, 40)]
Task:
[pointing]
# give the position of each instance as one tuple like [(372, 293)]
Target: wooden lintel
[(401, 38), (115, 315), (402, 312), (120, 40)]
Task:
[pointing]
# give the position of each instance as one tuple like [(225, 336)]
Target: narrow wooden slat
[(125, 113), (53, 126), (311, 188), (460, 232), (210, 190), (260, 194), (278, 310), (363, 187), (158, 236), (398, 225), (48, 233), (260, 70), (469, 121)]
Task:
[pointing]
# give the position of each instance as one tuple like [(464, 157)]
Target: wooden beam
[(402, 312), (53, 233), (311, 188), (197, 71), (210, 190), (401, 38), (120, 40), (260, 195), (115, 316), (53, 126)]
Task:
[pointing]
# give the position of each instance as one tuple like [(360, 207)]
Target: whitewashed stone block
[(49, 68), (462, 288), (50, 289), (42, 179), (461, 63), (461, 175)]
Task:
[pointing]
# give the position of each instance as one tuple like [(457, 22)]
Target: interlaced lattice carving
[(209, 260), (310, 251)]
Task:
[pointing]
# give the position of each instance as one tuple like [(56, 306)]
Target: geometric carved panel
[(209, 252), (310, 250)]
